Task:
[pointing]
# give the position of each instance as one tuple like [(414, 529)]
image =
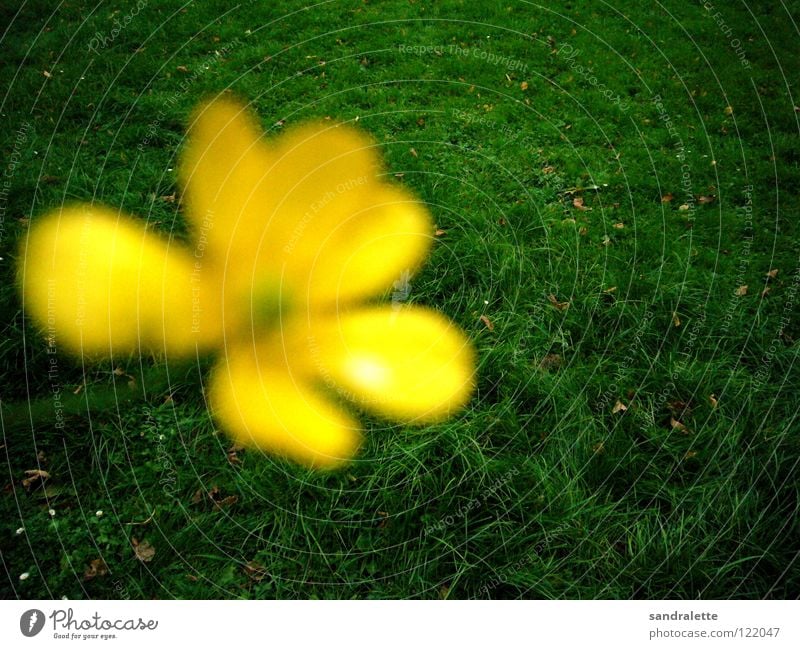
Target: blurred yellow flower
[(289, 242)]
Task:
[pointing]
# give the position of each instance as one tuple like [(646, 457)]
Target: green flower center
[(269, 304)]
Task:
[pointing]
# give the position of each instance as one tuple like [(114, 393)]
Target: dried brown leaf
[(577, 203), (551, 362), (676, 425), (255, 571), (96, 568), (561, 306), (143, 550), (32, 476)]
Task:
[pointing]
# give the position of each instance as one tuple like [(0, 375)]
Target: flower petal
[(384, 238), (223, 170), (259, 403), (306, 215), (99, 283), (408, 363)]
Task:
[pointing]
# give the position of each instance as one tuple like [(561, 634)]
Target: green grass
[(538, 489)]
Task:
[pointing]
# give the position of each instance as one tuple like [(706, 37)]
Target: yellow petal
[(99, 283), (378, 243), (259, 403), (224, 171), (408, 363), (306, 215)]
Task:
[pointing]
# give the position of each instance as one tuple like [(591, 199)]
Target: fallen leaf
[(440, 233), (170, 198), (413, 152), (33, 476), (689, 455), (523, 85), (96, 568), (704, 200), (683, 208), (676, 425), (233, 454), (182, 68), (143, 550), (551, 362), (255, 571), (618, 407), (610, 289), (742, 290), (712, 399), (676, 321), (680, 408), (666, 198), (226, 502), (548, 169), (561, 306), (765, 292), (220, 501), (619, 226), (773, 273), (577, 203), (489, 324), (729, 110), (46, 74)]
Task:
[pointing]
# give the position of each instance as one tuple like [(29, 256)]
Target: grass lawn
[(617, 186)]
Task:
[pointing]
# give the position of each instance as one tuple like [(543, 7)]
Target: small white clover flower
[(98, 513), (52, 512), (20, 530), (24, 576)]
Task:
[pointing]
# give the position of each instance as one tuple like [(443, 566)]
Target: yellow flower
[(290, 242)]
